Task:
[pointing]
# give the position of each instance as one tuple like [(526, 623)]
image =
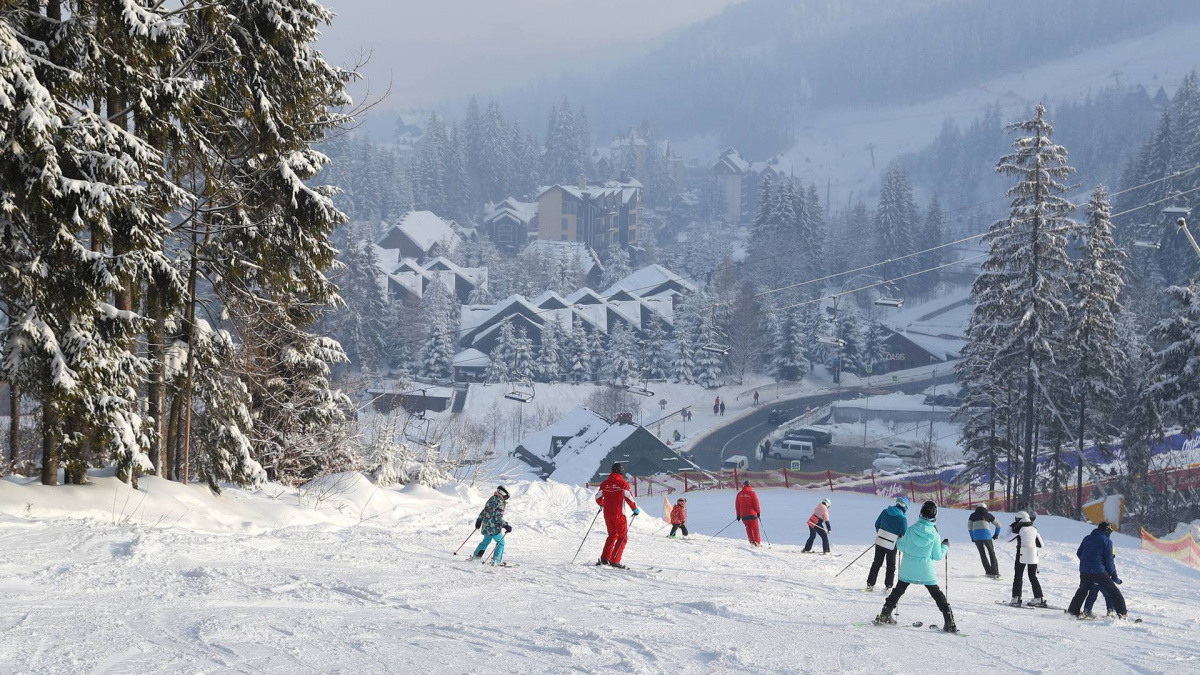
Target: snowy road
[(80, 596)]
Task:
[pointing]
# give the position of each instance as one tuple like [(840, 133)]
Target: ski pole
[(465, 541), (722, 530), (947, 573), (854, 561), (585, 534), (764, 529)]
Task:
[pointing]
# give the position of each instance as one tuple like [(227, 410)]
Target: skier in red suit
[(749, 512), (613, 496)]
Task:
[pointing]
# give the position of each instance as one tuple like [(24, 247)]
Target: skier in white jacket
[(1028, 542)]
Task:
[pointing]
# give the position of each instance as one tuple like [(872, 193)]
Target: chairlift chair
[(1147, 235), (718, 341), (890, 297), (522, 391), (418, 434), (831, 341)]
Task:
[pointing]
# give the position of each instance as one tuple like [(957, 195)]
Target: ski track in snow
[(82, 596)]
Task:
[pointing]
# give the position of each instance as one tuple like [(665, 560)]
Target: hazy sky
[(432, 50)]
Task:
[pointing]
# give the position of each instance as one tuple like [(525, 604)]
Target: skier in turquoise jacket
[(921, 546), (493, 526)]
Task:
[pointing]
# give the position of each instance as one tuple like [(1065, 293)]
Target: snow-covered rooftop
[(648, 278), (425, 229), (472, 358), (522, 211)]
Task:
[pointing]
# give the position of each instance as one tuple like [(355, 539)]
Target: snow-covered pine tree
[(683, 368), (225, 453), (500, 368), (583, 132), (658, 363), (1097, 360), (461, 200), (895, 227), (362, 319), (522, 356), (616, 266), (875, 350), (437, 354), (579, 352), (657, 173), (1022, 294), (497, 163), (790, 362), (1174, 377), (851, 353), (429, 186), (622, 363), (929, 237), (549, 353), (596, 355), (561, 162)]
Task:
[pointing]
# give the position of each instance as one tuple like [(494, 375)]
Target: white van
[(738, 462), (793, 449)]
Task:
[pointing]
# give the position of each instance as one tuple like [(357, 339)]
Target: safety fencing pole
[(829, 475), (785, 478)]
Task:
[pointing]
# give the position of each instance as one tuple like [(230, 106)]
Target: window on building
[(564, 223), (564, 236)]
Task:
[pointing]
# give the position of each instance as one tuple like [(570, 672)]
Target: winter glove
[(739, 519), (478, 523), (1117, 581), (995, 536), (945, 542), (829, 528), (507, 528), (636, 512)]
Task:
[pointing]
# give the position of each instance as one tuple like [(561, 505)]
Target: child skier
[(491, 523), (818, 523), (921, 548), (749, 512), (891, 524), (984, 529), (679, 518), (1097, 567), (613, 496), (1028, 542)]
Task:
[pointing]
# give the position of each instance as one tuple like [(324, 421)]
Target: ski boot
[(601, 562), (948, 622), (1086, 615), (1037, 602), (618, 566), (1016, 602), (1112, 614), (870, 589), (888, 590), (885, 618), (670, 536)]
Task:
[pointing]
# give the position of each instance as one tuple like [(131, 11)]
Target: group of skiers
[(920, 544)]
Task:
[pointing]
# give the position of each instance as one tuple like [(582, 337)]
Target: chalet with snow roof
[(420, 234), (584, 256), (510, 224), (582, 445), (409, 280)]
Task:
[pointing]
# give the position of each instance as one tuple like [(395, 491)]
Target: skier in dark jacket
[(1097, 565), (493, 526), (891, 524), (984, 529)]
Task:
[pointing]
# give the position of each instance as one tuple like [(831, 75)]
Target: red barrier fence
[(1184, 549), (943, 492)]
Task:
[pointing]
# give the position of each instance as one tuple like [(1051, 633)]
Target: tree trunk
[(1031, 333), (992, 460), (14, 428), (1079, 460), (191, 363), (171, 446), (49, 446), (155, 390)]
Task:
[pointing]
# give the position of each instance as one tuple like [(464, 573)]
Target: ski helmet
[(1105, 527), (745, 483), (502, 491), (618, 467), (1022, 517), (929, 511), (902, 503), (827, 502)]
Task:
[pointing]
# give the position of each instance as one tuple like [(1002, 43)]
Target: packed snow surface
[(363, 581)]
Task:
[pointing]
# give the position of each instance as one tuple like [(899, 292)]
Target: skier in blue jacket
[(891, 524), (493, 526), (921, 547), (984, 530), (1097, 566)]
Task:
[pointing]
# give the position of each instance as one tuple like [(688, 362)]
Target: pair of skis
[(915, 624)]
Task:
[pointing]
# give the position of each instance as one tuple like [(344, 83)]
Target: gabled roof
[(649, 280), (471, 358), (585, 296), (583, 253), (732, 160), (424, 229), (522, 211), (580, 424)]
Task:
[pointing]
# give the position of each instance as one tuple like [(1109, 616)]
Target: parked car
[(944, 400), (738, 462), (902, 449), (887, 463), (793, 449), (777, 416), (818, 437)]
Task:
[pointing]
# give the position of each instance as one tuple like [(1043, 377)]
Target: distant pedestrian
[(722, 408), (716, 408), (755, 398), (689, 412), (676, 436)]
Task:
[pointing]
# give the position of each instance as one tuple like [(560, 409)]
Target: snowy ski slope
[(350, 587)]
